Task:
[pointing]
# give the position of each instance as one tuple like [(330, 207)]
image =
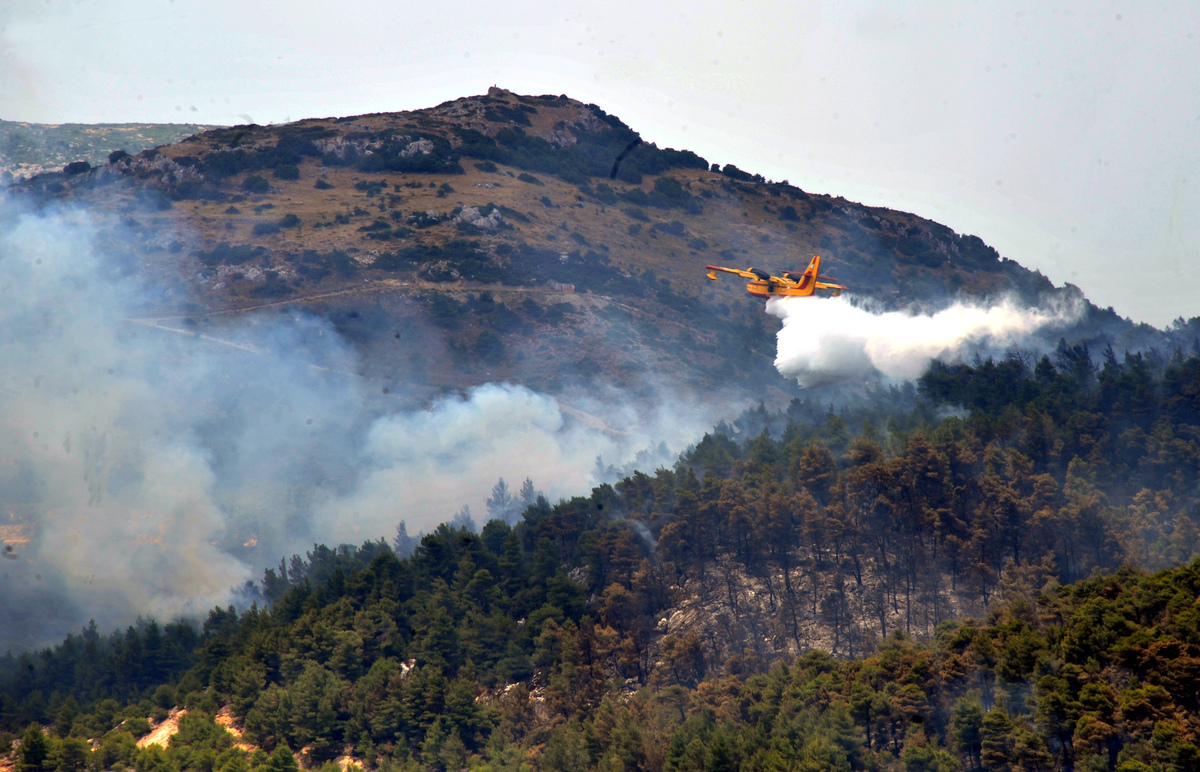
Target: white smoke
[(825, 341), (421, 462), (149, 470)]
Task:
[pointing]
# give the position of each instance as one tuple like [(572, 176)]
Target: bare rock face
[(472, 216), (422, 146), (343, 149)]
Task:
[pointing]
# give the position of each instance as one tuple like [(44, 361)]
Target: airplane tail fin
[(808, 279), (812, 280)]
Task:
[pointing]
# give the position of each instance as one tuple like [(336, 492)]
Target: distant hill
[(29, 149), (532, 239)]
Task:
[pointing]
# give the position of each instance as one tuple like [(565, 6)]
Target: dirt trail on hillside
[(380, 285), (161, 734), (224, 718)]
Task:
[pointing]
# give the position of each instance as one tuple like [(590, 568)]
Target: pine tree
[(503, 505), (528, 493), (463, 519), (404, 545), (35, 750)]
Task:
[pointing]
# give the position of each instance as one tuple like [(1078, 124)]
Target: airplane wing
[(830, 285), (712, 269)]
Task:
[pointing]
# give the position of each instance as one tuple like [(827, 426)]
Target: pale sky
[(1067, 135)]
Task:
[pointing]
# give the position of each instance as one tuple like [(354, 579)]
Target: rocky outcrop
[(472, 216)]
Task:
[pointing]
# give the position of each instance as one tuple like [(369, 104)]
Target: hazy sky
[(1067, 135)]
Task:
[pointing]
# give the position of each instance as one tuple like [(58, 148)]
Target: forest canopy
[(947, 577)]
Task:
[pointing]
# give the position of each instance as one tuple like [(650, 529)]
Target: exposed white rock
[(422, 146), (472, 216), (341, 148)]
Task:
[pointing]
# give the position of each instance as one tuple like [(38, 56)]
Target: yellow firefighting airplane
[(764, 285)]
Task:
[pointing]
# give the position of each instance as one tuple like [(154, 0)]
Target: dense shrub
[(272, 287), (489, 347), (675, 228), (444, 310), (733, 172), (395, 155), (224, 254), (256, 184), (287, 172), (602, 193)]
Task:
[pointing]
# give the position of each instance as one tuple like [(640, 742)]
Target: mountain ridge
[(579, 238)]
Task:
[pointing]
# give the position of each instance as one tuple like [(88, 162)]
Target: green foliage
[(287, 172), (667, 192), (371, 187), (256, 184), (292, 144), (431, 659), (35, 751), (489, 347), (272, 287), (314, 266), (427, 153), (731, 171), (602, 193), (444, 310)]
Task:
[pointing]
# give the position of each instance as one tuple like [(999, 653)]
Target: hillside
[(917, 593), (950, 574), (30, 149), (502, 236)]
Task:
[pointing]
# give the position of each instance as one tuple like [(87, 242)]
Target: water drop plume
[(825, 341)]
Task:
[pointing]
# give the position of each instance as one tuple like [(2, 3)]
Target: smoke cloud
[(146, 469), (831, 340)]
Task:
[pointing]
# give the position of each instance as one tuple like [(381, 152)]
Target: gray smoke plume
[(149, 470)]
